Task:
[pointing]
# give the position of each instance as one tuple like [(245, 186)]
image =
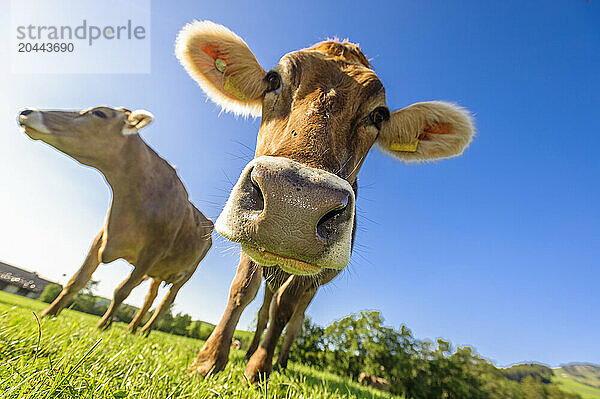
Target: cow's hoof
[(280, 367), (145, 332), (207, 363), (103, 324), (258, 367), (49, 312)]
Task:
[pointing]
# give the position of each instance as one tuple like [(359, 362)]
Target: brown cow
[(235, 344), (376, 382), (151, 223), (293, 207)]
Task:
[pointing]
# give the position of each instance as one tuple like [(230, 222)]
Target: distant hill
[(581, 378), (520, 371)]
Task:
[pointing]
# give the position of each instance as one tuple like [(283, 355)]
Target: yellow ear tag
[(405, 147), (230, 84), (231, 87)]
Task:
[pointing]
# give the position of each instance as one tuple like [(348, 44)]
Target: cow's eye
[(378, 115), (273, 81), (99, 114)]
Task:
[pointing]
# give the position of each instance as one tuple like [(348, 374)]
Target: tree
[(181, 323), (125, 313), (417, 369), (50, 293), (200, 330), (532, 388), (309, 345), (85, 300), (194, 329), (165, 323), (353, 342)]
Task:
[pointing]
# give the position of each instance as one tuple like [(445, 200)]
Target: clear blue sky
[(498, 249)]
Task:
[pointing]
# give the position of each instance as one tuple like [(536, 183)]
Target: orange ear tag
[(405, 147)]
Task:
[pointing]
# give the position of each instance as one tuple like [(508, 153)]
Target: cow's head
[(323, 109), (91, 136)]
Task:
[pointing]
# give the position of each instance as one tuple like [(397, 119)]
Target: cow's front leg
[(215, 352), (293, 328), (150, 297), (79, 280), (166, 303), (261, 323), (121, 293), (282, 307)]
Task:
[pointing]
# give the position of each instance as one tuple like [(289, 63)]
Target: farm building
[(21, 282)]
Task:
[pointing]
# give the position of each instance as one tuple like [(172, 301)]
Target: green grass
[(75, 360), (581, 379)]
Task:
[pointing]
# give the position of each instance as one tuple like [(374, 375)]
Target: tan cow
[(235, 344), (376, 382), (293, 207), (151, 223)]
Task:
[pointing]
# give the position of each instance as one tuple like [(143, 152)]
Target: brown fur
[(376, 382), (151, 223), (235, 344), (321, 118), (321, 129)]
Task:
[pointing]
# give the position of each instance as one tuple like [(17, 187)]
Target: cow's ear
[(223, 65), (427, 131), (136, 120)]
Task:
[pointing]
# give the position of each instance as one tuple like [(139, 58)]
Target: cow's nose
[(283, 209), (26, 112), (312, 209)]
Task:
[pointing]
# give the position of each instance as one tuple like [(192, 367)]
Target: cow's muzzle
[(32, 119), (284, 213)]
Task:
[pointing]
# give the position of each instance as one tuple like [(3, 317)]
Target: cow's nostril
[(258, 201), (26, 112), (329, 224)]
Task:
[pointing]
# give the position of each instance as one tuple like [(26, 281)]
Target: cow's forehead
[(294, 63), (308, 55)]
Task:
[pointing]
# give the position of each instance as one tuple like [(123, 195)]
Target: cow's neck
[(135, 170)]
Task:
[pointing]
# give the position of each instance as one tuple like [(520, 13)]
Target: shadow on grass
[(332, 382)]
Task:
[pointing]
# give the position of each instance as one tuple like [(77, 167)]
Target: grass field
[(581, 379), (72, 359)]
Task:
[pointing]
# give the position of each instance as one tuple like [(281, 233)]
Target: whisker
[(357, 164), (361, 216), (244, 145)]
